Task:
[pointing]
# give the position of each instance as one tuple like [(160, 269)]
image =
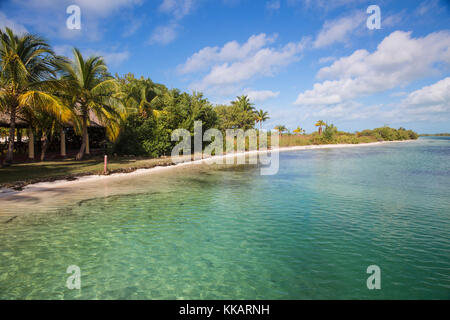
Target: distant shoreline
[(50, 182)]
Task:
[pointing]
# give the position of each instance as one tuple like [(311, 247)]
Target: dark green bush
[(329, 134)]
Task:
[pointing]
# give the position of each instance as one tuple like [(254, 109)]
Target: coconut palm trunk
[(30, 144), (44, 141), (12, 131), (82, 151), (63, 143), (90, 89)]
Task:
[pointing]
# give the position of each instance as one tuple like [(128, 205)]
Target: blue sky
[(301, 60)]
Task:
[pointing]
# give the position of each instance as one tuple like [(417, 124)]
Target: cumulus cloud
[(233, 64), (338, 30), (262, 95), (231, 51), (398, 60), (430, 103), (437, 94)]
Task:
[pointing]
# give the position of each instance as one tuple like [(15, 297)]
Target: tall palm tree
[(244, 103), (280, 128), (261, 116), (26, 70), (91, 90), (142, 96), (320, 124), (299, 130)]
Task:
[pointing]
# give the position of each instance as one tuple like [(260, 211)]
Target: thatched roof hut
[(23, 123), (5, 120)]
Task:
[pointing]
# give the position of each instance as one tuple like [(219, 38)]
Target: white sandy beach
[(93, 178)]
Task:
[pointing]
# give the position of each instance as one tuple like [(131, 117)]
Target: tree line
[(49, 92)]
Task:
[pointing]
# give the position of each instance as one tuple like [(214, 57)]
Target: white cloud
[(97, 7), (393, 20), (48, 17), (111, 57), (430, 103), (232, 65), (15, 26), (398, 60), (273, 5), (426, 6), (262, 95), (350, 110), (323, 4), (399, 94), (63, 50), (437, 94), (164, 34), (326, 60), (338, 30), (177, 8), (132, 27), (115, 58), (231, 51)]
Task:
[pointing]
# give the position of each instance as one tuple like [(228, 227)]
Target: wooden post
[(105, 167), (87, 143), (63, 143), (30, 144)]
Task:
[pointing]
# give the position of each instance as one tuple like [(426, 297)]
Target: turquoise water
[(309, 232)]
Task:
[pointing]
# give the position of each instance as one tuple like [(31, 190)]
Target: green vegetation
[(389, 134), (86, 87), (52, 95), (27, 78), (331, 135)]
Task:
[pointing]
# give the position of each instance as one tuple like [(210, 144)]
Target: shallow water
[(308, 232)]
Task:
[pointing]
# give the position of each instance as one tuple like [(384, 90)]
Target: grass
[(25, 173)]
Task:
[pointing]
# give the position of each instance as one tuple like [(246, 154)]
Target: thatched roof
[(22, 123), (5, 120)]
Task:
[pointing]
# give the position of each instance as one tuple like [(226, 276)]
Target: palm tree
[(261, 116), (91, 90), (244, 103), (142, 96), (280, 128), (26, 71), (299, 130), (320, 124)]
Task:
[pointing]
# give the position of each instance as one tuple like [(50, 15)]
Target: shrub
[(329, 134), (347, 138)]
